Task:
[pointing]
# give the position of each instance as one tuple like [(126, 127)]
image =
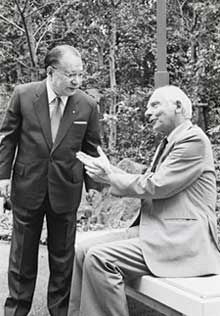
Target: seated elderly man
[(175, 234)]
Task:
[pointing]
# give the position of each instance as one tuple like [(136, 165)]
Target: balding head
[(174, 94), (57, 53), (168, 107)]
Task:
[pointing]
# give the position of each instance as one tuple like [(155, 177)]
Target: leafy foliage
[(117, 40)]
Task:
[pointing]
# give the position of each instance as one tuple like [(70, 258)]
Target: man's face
[(66, 76), (162, 113)]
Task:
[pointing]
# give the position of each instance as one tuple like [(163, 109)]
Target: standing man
[(176, 232), (45, 124)]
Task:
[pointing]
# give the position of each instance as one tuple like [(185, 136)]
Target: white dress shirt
[(51, 98)]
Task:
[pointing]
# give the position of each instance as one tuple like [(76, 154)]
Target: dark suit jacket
[(38, 165)]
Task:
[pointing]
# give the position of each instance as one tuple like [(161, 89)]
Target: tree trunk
[(28, 27), (32, 44), (100, 57)]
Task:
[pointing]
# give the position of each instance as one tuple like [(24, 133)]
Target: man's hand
[(5, 188), (97, 168)]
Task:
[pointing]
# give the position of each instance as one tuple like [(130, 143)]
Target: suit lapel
[(66, 121), (154, 157), (171, 143), (42, 111)]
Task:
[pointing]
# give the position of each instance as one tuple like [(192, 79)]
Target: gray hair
[(55, 54), (174, 94)]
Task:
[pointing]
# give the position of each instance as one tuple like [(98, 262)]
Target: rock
[(116, 212), (130, 166), (6, 225), (110, 211)]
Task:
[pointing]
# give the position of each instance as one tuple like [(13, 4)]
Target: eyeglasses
[(70, 76)]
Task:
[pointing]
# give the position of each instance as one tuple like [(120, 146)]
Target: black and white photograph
[(110, 158)]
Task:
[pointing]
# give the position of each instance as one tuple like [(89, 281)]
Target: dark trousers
[(23, 261)]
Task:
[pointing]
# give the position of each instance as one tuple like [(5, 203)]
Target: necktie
[(56, 117), (159, 153)]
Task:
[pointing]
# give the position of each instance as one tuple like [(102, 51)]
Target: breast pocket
[(78, 130), (75, 136)]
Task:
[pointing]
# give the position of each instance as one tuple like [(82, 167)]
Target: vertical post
[(161, 75)]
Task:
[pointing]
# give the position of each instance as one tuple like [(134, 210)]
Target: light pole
[(161, 75)]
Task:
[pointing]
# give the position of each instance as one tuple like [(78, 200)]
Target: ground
[(39, 303)]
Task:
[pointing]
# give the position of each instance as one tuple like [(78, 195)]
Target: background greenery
[(117, 39)]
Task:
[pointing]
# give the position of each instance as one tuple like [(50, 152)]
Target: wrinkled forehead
[(69, 60)]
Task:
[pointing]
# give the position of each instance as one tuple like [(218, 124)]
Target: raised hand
[(97, 168)]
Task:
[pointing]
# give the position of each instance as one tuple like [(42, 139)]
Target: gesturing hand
[(97, 168)]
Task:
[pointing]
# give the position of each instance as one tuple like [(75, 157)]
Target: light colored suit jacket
[(36, 164), (178, 229)]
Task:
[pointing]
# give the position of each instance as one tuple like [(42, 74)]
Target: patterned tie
[(159, 154), (56, 117)]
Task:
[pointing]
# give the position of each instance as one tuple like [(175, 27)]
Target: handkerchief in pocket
[(80, 122)]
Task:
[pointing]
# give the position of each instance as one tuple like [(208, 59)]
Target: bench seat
[(198, 296)]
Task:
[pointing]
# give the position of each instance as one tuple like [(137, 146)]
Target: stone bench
[(198, 296)]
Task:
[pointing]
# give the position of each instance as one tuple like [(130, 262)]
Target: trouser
[(23, 260), (101, 266)]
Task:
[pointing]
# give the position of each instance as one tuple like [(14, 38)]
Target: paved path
[(39, 302)]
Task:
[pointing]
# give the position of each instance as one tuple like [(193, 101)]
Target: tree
[(118, 46), (192, 51), (24, 36)]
